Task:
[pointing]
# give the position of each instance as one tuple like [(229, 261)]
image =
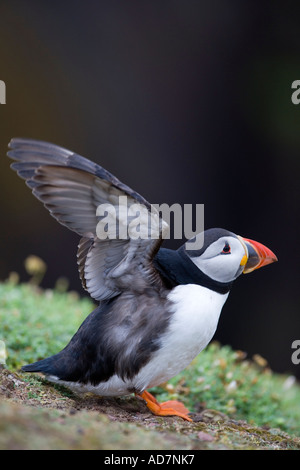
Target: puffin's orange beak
[(257, 255)]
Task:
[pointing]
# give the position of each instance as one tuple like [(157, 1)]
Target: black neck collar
[(176, 268)]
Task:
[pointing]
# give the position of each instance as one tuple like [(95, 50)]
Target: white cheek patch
[(221, 267)]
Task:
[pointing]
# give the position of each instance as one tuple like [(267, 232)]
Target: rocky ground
[(36, 415)]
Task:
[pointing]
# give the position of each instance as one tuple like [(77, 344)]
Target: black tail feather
[(46, 366)]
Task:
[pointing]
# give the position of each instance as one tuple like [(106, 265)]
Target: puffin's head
[(224, 255)]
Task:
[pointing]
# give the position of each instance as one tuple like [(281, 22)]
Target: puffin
[(158, 308)]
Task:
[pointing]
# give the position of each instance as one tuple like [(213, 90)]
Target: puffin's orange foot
[(168, 408)]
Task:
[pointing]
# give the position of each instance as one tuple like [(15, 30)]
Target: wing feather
[(72, 187)]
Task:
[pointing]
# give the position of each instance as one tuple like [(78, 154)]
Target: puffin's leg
[(168, 408)]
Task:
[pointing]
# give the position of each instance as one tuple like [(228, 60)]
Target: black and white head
[(225, 255)]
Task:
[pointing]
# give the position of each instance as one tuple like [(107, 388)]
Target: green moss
[(36, 323), (39, 429)]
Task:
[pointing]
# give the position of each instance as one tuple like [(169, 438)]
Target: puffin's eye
[(226, 249)]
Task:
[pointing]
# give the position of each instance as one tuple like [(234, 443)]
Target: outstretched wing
[(73, 189)]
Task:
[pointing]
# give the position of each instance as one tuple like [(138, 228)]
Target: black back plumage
[(118, 337)]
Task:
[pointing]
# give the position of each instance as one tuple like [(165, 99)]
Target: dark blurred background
[(186, 102)]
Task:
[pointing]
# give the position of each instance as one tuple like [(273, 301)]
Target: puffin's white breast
[(196, 311)]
